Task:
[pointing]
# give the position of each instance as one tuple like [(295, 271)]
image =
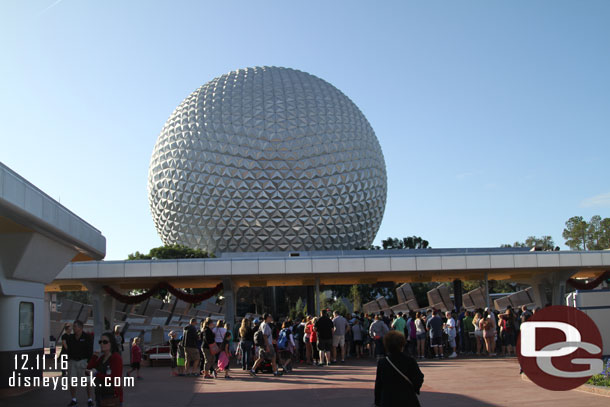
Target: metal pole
[(487, 289), (317, 300), (274, 307)]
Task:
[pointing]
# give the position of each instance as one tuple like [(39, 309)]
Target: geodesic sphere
[(267, 159)]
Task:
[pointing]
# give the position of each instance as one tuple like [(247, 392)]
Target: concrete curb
[(587, 388)]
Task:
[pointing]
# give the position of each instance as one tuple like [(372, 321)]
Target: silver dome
[(267, 159)]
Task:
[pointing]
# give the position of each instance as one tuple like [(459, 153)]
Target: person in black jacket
[(189, 339), (208, 338), (398, 376)]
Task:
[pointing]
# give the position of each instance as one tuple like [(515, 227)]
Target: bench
[(157, 352)]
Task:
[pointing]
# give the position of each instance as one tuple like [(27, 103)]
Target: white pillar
[(317, 301), (230, 302), (486, 289), (103, 309), (47, 320)]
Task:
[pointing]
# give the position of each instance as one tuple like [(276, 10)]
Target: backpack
[(259, 338), (283, 339)]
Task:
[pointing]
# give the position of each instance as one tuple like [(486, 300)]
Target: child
[(136, 357), (173, 352), (225, 355)]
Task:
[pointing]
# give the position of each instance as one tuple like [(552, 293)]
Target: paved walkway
[(458, 382)]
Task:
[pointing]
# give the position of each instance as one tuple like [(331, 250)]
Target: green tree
[(516, 244), (583, 235), (297, 312), (355, 297), (495, 287), (575, 233), (543, 243), (170, 252), (598, 233), (411, 242)]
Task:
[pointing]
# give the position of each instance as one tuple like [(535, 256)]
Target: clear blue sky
[(493, 116)]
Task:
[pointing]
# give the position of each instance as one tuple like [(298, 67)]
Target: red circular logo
[(560, 348)]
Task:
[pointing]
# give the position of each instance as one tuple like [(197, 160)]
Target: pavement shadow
[(433, 399)]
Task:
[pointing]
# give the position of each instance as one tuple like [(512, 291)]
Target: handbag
[(180, 362), (401, 373), (111, 401), (214, 349), (107, 397)]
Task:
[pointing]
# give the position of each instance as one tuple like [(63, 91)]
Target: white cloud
[(464, 175), (597, 200), (48, 8)]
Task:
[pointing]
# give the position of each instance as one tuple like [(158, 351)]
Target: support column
[(274, 305), (487, 289), (457, 295), (556, 281), (47, 320), (558, 286), (230, 306), (317, 300), (311, 300), (539, 292), (103, 310)]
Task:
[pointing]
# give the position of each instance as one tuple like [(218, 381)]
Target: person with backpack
[(286, 346), (224, 356), (189, 340), (263, 339), (507, 331)]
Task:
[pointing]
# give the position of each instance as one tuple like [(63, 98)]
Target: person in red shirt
[(307, 338), (107, 364), (313, 339), (136, 357)]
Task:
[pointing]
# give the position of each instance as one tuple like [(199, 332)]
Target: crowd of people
[(263, 345), (276, 347)]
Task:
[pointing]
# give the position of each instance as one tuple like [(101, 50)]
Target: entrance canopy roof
[(333, 267), (26, 209)]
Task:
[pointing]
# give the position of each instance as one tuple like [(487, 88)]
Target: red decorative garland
[(190, 298), (581, 285)]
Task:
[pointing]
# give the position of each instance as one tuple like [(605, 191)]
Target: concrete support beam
[(487, 303), (457, 295), (230, 304), (47, 320), (539, 291), (558, 286), (555, 282), (33, 257), (317, 296), (103, 310), (311, 300)]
